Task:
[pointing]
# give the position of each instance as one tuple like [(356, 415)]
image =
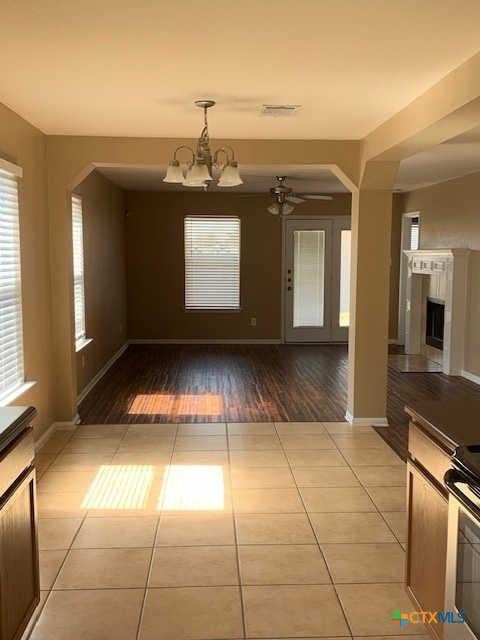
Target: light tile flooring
[(213, 532)]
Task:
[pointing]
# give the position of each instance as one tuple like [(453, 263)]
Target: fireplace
[(435, 323)]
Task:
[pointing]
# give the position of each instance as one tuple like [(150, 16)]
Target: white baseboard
[(45, 436), (56, 426), (67, 425), (86, 390), (470, 376), (204, 341), (366, 422)]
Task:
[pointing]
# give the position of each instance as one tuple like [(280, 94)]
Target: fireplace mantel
[(449, 267)]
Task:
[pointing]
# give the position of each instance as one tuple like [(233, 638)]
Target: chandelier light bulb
[(230, 175), (174, 173), (200, 172)]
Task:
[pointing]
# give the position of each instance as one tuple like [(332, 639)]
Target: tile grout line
[(380, 513), (50, 589), (314, 534), (152, 554), (235, 537)]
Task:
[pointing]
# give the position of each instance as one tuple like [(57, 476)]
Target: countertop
[(14, 420), (453, 423)]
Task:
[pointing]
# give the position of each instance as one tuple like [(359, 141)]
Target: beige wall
[(155, 264), (396, 237), (24, 145), (105, 282), (450, 219)]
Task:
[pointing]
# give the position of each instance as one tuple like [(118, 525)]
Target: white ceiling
[(123, 68), (257, 179), (452, 159)]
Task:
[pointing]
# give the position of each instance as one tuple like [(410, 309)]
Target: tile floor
[(214, 532)]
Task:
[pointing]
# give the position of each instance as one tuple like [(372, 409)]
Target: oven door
[(462, 592)]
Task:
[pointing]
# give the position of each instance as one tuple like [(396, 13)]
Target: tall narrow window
[(212, 262), (345, 255), (78, 270), (11, 330), (414, 233)]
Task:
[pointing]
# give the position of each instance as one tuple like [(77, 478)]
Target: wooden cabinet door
[(427, 543), (19, 574)]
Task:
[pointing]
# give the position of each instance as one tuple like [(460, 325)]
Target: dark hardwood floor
[(250, 383)]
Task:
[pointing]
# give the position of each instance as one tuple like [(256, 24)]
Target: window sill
[(230, 310), (82, 343), (16, 393)]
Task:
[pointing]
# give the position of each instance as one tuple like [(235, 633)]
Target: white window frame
[(16, 385), (78, 255), (198, 309), (402, 287)]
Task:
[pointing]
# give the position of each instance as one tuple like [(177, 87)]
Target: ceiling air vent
[(280, 109)]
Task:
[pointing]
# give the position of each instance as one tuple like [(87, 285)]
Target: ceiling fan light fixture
[(174, 173), (274, 209), (230, 175), (287, 209)]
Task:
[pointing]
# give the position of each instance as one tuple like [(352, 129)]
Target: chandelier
[(199, 171)]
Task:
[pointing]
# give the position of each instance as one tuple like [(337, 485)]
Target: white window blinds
[(414, 233), (11, 330), (212, 262), (78, 269)]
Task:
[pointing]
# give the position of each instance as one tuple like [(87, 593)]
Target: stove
[(462, 592)]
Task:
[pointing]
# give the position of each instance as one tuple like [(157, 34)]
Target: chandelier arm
[(227, 146), (184, 146), (221, 150)]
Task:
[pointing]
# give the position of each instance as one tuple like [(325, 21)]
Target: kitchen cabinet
[(427, 543), (19, 571), (437, 431)]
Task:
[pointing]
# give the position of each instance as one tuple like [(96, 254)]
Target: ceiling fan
[(284, 198)]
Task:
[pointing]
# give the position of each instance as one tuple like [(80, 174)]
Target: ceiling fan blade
[(295, 199), (314, 196)]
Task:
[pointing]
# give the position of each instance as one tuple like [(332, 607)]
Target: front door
[(316, 279)]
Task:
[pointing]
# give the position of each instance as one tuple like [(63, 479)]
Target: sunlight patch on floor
[(120, 487), (193, 488), (205, 404)]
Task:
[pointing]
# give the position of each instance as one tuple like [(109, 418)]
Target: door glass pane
[(345, 248), (308, 269)]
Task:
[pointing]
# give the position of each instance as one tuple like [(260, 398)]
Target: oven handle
[(451, 478)]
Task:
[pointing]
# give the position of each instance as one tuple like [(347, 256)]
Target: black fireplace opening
[(435, 323)]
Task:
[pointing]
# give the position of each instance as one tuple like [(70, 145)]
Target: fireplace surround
[(447, 273)]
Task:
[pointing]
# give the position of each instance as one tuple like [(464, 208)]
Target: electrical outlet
[(253, 322)]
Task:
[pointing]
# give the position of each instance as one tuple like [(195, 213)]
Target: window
[(11, 330), (414, 234), (345, 262), (212, 262), (78, 270)]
